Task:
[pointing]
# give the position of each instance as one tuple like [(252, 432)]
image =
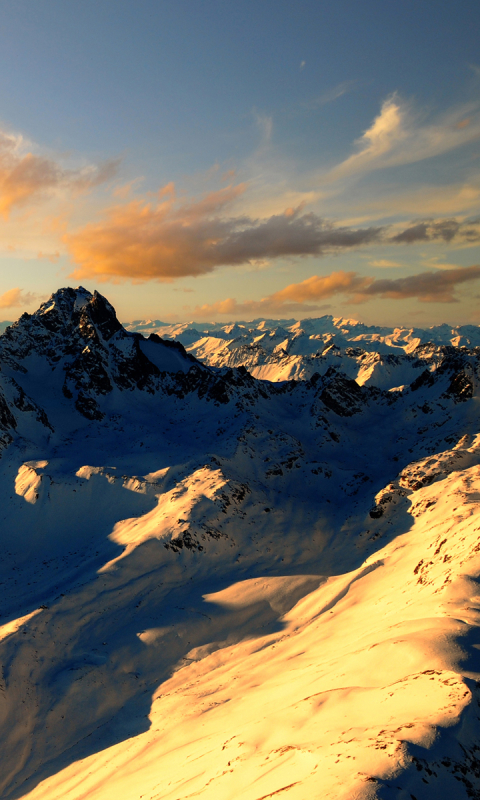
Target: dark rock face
[(461, 387), (7, 420), (133, 369), (342, 395), (426, 378), (103, 316), (174, 345)]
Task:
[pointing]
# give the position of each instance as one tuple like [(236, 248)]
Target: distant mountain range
[(278, 350), (238, 561)]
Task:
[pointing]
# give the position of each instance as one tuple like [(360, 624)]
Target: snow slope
[(223, 587)]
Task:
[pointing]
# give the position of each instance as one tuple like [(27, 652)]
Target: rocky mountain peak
[(77, 309)]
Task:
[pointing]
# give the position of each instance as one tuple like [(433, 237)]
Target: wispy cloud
[(265, 126), (384, 262), (398, 137), (329, 96), (17, 298), (25, 177), (53, 257), (378, 202)]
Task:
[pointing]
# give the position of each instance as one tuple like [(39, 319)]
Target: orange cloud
[(141, 241), (17, 298), (316, 288), (25, 177)]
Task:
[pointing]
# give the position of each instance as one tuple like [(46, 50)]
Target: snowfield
[(240, 565)]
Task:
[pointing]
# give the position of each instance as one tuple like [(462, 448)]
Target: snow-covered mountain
[(217, 586), (279, 350)]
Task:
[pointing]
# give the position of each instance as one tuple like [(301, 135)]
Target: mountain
[(220, 586), (278, 350)]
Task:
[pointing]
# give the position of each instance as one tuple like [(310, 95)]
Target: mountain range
[(240, 561), (278, 350)]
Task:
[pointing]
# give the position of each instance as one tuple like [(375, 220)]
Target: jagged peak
[(68, 309)]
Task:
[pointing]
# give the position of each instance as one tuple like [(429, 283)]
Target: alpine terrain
[(240, 561)]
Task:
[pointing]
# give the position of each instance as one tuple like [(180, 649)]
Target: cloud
[(328, 97), (319, 288), (25, 176), (141, 241), (171, 237), (265, 125), (397, 137), (427, 287), (17, 298), (424, 201), (445, 230), (384, 262), (302, 65), (53, 257), (437, 264)]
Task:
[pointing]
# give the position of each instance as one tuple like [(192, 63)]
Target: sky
[(206, 160)]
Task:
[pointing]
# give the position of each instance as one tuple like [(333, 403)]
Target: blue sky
[(213, 160)]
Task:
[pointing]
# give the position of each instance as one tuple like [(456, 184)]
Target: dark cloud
[(429, 287), (288, 235), (430, 230)]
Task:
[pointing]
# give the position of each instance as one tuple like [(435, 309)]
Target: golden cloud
[(17, 298)]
